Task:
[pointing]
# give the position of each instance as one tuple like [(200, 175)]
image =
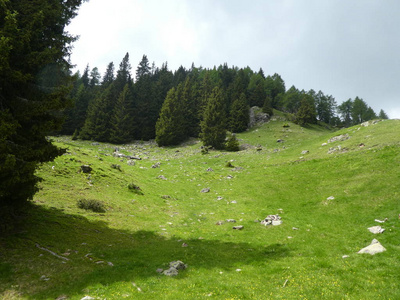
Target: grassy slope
[(140, 233)]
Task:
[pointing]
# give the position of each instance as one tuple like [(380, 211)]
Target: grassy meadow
[(313, 255)]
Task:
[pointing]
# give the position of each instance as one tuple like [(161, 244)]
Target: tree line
[(197, 102)]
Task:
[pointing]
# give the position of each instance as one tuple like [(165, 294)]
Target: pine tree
[(239, 115), (122, 120), (34, 80), (306, 113), (213, 125), (382, 115), (170, 127), (143, 68)]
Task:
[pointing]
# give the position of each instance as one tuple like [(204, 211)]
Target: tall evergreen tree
[(345, 110), (306, 114), (382, 115), (143, 68), (170, 127), (239, 115), (123, 125), (213, 125), (34, 80)]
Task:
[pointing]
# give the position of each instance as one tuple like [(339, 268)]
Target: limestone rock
[(341, 138), (240, 227), (272, 220), (205, 190), (374, 248), (304, 152), (376, 229)]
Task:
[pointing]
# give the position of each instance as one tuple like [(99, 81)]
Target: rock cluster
[(174, 268), (373, 248), (272, 220)]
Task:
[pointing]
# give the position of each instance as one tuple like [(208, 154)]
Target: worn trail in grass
[(115, 255)]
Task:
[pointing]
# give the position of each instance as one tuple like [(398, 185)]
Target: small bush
[(229, 165), (204, 149), (134, 188), (286, 125), (232, 144), (93, 205), (116, 167)]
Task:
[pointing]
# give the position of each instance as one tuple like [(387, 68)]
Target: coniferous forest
[(171, 106)]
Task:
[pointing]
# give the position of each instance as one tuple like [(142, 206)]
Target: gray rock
[(210, 170), (131, 162), (276, 222), (240, 227), (374, 248), (205, 190), (231, 220), (179, 265), (86, 168), (162, 177), (305, 152), (171, 272), (341, 138), (280, 141)]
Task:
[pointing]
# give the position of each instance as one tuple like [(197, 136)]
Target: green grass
[(143, 231)]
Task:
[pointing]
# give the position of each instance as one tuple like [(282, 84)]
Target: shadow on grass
[(101, 255)]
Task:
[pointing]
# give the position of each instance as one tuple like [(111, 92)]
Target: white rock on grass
[(374, 248), (376, 229)]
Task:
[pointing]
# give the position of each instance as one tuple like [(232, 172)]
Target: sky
[(345, 48)]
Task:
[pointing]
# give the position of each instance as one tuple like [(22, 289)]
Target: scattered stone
[(324, 144), (162, 177), (95, 144), (184, 245), (219, 223), (171, 272), (330, 198), (231, 220), (62, 297), (345, 256), (276, 222), (220, 198), (229, 177), (115, 166), (156, 165), (86, 169), (234, 202), (382, 221), (376, 229), (238, 270), (361, 145), (131, 162), (174, 268), (110, 264), (374, 248), (165, 197), (44, 278), (272, 220), (210, 170), (304, 152), (341, 138), (88, 298), (295, 228), (205, 190), (240, 227), (280, 141)]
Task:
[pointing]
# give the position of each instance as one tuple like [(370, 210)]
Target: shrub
[(232, 144), (229, 165), (93, 205), (133, 187)]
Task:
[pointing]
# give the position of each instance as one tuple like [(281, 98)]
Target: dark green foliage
[(345, 110), (91, 204), (134, 188), (306, 113), (382, 115), (239, 115), (213, 125), (34, 84), (232, 144), (325, 106), (267, 106), (170, 127)]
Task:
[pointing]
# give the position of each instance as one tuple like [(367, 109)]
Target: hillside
[(326, 192)]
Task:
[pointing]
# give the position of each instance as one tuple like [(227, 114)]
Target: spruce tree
[(239, 116), (213, 125), (34, 80), (170, 127)]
